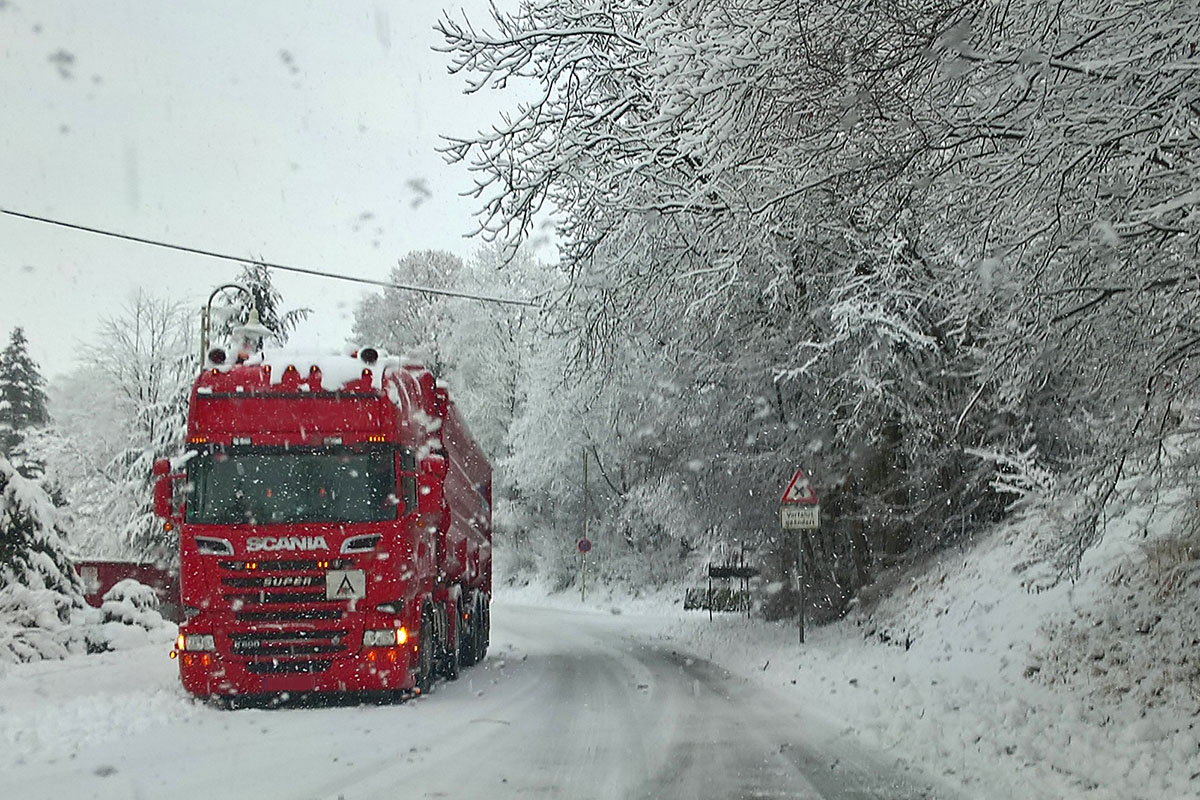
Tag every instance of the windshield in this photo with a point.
(294, 486)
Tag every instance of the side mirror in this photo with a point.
(435, 464)
(164, 488)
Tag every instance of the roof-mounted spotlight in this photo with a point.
(217, 356)
(369, 355)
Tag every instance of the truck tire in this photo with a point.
(468, 622)
(485, 625)
(425, 651)
(450, 653)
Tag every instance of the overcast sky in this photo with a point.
(299, 133)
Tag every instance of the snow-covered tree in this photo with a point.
(487, 348)
(92, 426)
(481, 350)
(39, 592)
(22, 396)
(403, 321)
(147, 360)
(881, 236)
(265, 297)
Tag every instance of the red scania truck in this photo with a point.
(334, 520)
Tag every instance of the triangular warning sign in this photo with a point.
(346, 587)
(800, 490)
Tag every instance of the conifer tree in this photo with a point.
(22, 398)
(38, 589)
(267, 299)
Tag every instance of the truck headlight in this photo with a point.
(195, 641)
(384, 637)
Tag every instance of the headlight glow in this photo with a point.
(384, 637)
(197, 641)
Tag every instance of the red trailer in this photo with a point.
(100, 576)
(334, 520)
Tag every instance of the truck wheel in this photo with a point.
(485, 625)
(468, 624)
(448, 661)
(425, 655)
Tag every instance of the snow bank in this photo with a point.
(32, 627)
(51, 711)
(978, 670)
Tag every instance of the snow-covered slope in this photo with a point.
(984, 670)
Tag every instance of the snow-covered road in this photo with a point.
(568, 704)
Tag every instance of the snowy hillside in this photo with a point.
(992, 678)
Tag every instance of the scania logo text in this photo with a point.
(257, 544)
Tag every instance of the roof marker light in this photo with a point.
(366, 373)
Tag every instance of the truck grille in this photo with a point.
(290, 644)
(273, 581)
(284, 667)
(246, 590)
(265, 597)
(287, 616)
(259, 593)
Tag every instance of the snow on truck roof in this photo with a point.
(326, 372)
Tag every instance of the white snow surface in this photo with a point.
(977, 700)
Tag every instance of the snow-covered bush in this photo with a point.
(130, 617)
(132, 603)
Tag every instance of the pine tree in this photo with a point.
(266, 298)
(22, 398)
(39, 592)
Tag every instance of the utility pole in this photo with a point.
(584, 543)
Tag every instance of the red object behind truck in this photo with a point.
(334, 526)
(100, 576)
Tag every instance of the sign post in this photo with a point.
(800, 509)
(584, 545)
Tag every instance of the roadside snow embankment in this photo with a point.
(1011, 685)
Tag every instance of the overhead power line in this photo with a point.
(511, 301)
